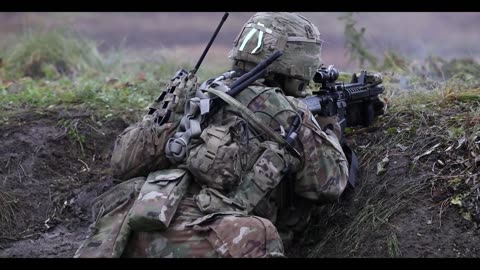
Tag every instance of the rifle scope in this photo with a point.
(326, 75)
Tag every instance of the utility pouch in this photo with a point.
(210, 200)
(159, 199)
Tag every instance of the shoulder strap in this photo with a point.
(256, 123)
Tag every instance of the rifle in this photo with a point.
(165, 104)
(355, 103)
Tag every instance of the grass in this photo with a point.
(72, 131)
(433, 103)
(52, 53)
(46, 70)
(377, 205)
(60, 68)
(420, 116)
(8, 210)
(392, 245)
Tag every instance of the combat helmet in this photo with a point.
(294, 35)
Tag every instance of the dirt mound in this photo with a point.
(54, 163)
(417, 195)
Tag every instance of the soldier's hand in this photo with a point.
(330, 123)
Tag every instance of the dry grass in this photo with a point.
(422, 113)
(375, 204)
(434, 135)
(8, 211)
(46, 54)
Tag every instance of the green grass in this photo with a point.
(436, 101)
(50, 54)
(60, 68)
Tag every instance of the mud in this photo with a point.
(52, 182)
(52, 179)
(406, 218)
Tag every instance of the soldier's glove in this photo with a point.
(330, 123)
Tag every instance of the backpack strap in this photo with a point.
(189, 127)
(254, 120)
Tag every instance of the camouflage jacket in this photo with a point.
(318, 174)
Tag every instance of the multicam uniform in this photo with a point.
(240, 182)
(193, 233)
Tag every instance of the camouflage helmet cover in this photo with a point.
(291, 33)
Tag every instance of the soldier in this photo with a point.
(211, 181)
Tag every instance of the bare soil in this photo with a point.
(51, 180)
(50, 183)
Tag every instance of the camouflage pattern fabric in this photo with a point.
(158, 200)
(110, 237)
(140, 149)
(109, 234)
(210, 200)
(322, 176)
(324, 173)
(265, 175)
(240, 236)
(214, 162)
(194, 235)
(266, 32)
(240, 164)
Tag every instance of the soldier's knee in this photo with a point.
(245, 236)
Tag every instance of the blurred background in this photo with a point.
(411, 34)
(71, 82)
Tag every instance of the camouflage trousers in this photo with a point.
(220, 235)
(191, 234)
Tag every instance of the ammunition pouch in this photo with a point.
(216, 161)
(110, 232)
(159, 199)
(264, 175)
(210, 201)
